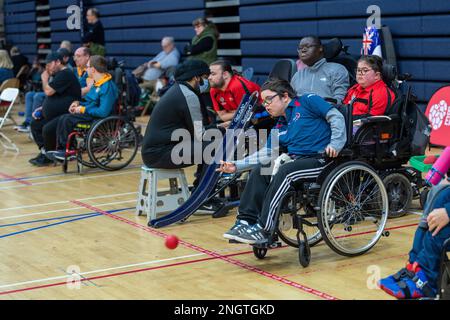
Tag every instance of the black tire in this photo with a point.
(351, 198)
(112, 143)
(260, 253)
(400, 194)
(304, 254)
(313, 234)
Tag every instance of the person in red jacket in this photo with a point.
(372, 95)
(227, 89)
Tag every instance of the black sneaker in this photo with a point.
(57, 155)
(41, 161)
(254, 234)
(35, 158)
(211, 206)
(235, 230)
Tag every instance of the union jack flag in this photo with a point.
(371, 44)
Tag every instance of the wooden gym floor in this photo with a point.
(53, 224)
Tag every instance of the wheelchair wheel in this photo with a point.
(112, 143)
(304, 254)
(400, 194)
(354, 208)
(285, 228)
(260, 253)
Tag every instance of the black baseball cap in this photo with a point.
(53, 56)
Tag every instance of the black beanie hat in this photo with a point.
(189, 69)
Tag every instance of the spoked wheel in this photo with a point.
(289, 207)
(354, 208)
(112, 143)
(400, 194)
(260, 253)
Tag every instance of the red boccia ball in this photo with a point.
(171, 242)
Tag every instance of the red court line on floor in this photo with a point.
(121, 273)
(387, 229)
(7, 176)
(245, 266)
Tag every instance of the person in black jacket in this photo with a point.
(179, 108)
(94, 37)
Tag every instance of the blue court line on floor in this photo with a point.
(56, 218)
(55, 224)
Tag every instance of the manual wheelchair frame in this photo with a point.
(110, 143)
(347, 206)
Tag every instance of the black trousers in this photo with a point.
(263, 193)
(67, 123)
(44, 132)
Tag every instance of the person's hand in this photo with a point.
(224, 125)
(37, 114)
(74, 105)
(45, 76)
(331, 152)
(89, 82)
(437, 219)
(227, 167)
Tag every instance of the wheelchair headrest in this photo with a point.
(389, 73)
(332, 48)
(284, 69)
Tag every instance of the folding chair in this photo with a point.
(7, 99)
(10, 83)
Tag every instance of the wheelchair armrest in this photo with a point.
(373, 119)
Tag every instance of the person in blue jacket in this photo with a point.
(98, 103)
(420, 276)
(307, 127)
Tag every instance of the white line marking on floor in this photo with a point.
(68, 201)
(68, 180)
(62, 210)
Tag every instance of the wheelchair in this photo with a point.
(110, 143)
(348, 205)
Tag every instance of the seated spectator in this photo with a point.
(18, 60)
(372, 96)
(34, 97)
(97, 104)
(82, 56)
(227, 89)
(66, 44)
(420, 277)
(204, 44)
(67, 56)
(168, 57)
(326, 79)
(6, 66)
(60, 92)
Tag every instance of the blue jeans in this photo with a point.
(33, 100)
(427, 249)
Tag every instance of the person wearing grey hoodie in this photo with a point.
(326, 79)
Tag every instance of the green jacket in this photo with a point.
(208, 56)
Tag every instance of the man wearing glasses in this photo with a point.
(307, 127)
(326, 79)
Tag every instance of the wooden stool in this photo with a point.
(152, 202)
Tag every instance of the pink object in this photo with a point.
(439, 169)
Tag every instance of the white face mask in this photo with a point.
(204, 85)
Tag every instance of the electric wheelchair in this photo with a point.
(110, 143)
